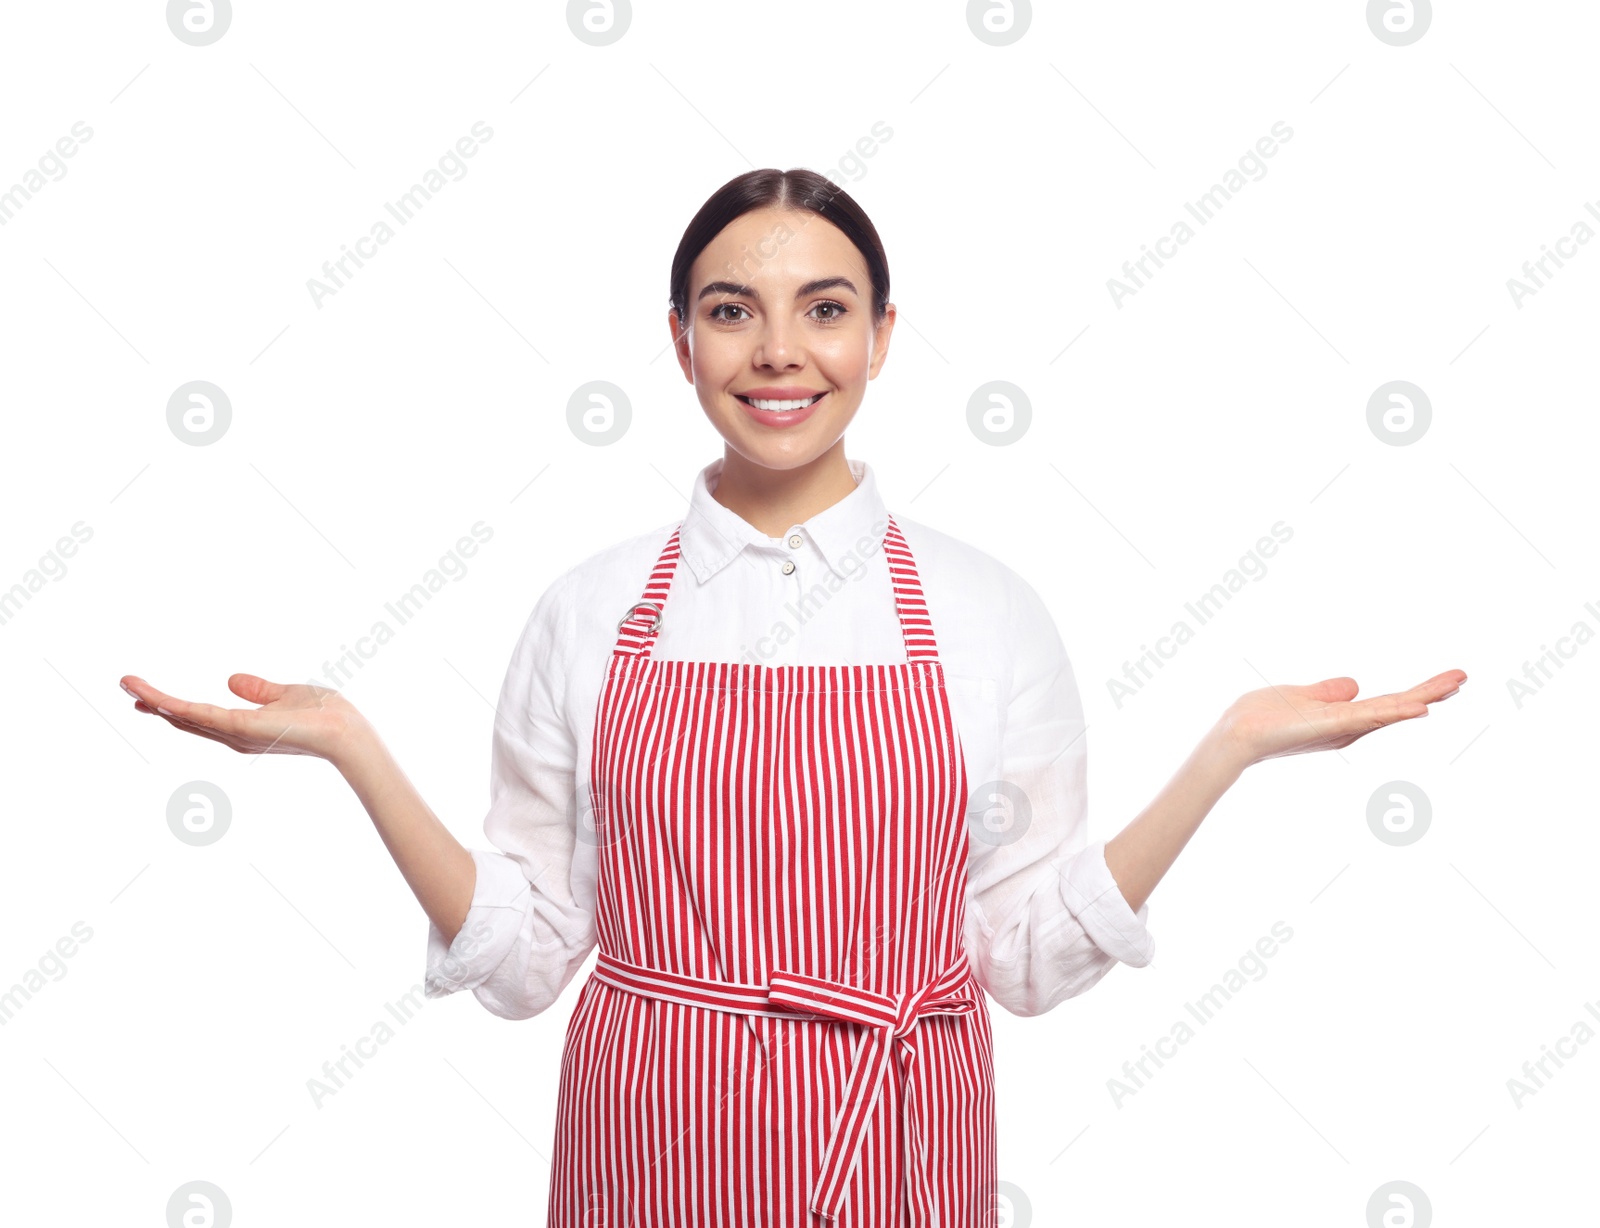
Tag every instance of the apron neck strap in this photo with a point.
(640, 625)
(909, 602)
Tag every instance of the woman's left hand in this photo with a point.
(1290, 720)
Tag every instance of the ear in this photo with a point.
(680, 343)
(880, 341)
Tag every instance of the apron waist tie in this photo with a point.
(889, 1024)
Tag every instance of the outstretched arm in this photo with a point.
(1264, 724)
(504, 923)
(301, 719)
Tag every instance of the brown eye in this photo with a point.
(839, 311)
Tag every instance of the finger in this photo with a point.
(1382, 710)
(1439, 685)
(246, 742)
(153, 703)
(1414, 702)
(159, 700)
(203, 733)
(176, 721)
(1332, 690)
(233, 722)
(196, 717)
(230, 722)
(257, 690)
(148, 699)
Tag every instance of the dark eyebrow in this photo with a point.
(734, 289)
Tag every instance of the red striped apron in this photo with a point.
(782, 1023)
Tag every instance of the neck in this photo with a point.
(774, 499)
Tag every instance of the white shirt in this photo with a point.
(1044, 919)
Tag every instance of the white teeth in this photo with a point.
(781, 406)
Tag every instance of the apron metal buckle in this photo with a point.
(628, 613)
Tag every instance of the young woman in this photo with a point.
(811, 777)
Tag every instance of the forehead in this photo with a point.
(777, 245)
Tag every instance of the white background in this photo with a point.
(370, 433)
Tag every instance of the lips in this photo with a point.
(761, 406)
(788, 401)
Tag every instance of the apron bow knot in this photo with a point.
(887, 1037)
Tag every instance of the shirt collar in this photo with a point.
(713, 535)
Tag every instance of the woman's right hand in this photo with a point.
(294, 719)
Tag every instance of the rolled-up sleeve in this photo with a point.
(525, 934)
(1045, 918)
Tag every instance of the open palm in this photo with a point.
(295, 719)
(1291, 720)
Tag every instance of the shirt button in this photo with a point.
(788, 566)
(795, 540)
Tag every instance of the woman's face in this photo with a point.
(779, 311)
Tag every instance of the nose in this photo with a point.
(779, 345)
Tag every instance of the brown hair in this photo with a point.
(792, 189)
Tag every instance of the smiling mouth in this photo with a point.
(776, 406)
